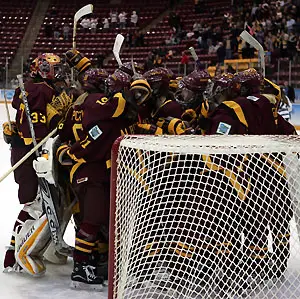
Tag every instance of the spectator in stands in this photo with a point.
(86, 24)
(66, 31)
(105, 24)
(149, 62)
(114, 19)
(100, 60)
(289, 91)
(184, 62)
(122, 19)
(48, 30)
(56, 30)
(290, 23)
(221, 53)
(228, 47)
(94, 24)
(53, 11)
(128, 39)
(134, 18)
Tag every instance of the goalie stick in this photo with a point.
(117, 47)
(247, 37)
(45, 189)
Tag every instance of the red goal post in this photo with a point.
(205, 217)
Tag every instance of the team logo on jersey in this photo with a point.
(95, 132)
(223, 128)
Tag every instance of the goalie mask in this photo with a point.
(159, 80)
(117, 82)
(94, 80)
(191, 88)
(48, 66)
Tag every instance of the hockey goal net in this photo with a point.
(205, 217)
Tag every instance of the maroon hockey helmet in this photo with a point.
(93, 80)
(159, 80)
(126, 67)
(196, 81)
(191, 88)
(118, 81)
(218, 86)
(247, 82)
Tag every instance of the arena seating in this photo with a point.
(13, 24)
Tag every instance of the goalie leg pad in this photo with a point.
(30, 242)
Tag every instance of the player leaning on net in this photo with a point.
(47, 103)
(157, 110)
(235, 105)
(91, 126)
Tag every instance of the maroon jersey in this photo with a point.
(253, 115)
(164, 108)
(94, 123)
(39, 95)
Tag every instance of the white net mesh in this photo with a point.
(207, 217)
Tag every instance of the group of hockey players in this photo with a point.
(90, 111)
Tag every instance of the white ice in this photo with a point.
(56, 282)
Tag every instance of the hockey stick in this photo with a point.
(199, 66)
(44, 140)
(135, 74)
(45, 188)
(117, 47)
(247, 37)
(83, 11)
(5, 98)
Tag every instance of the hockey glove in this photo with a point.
(77, 60)
(63, 157)
(8, 134)
(173, 126)
(148, 129)
(62, 103)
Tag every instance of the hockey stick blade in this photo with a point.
(117, 47)
(247, 37)
(85, 10)
(193, 53)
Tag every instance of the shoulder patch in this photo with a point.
(95, 132)
(223, 128)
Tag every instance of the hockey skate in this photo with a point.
(84, 277)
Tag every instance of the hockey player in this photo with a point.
(117, 82)
(156, 106)
(91, 126)
(256, 114)
(47, 105)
